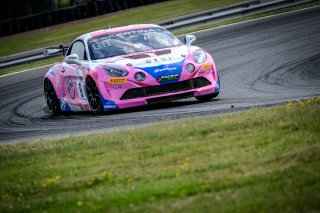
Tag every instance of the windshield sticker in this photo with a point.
(121, 34)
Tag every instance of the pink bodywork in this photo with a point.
(69, 80)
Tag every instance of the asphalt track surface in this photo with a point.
(260, 63)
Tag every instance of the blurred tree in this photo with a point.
(10, 9)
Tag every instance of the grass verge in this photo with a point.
(264, 160)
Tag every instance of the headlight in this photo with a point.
(199, 56)
(190, 68)
(140, 76)
(116, 71)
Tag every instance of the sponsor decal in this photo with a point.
(117, 80)
(110, 106)
(70, 88)
(217, 86)
(117, 86)
(64, 106)
(122, 34)
(166, 78)
(165, 72)
(165, 69)
(156, 60)
(81, 91)
(81, 86)
(206, 66)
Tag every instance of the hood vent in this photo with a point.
(138, 56)
(162, 52)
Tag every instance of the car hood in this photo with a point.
(157, 63)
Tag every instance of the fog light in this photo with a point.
(140, 76)
(190, 68)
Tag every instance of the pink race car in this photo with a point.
(128, 67)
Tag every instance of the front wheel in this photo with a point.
(205, 98)
(51, 97)
(93, 96)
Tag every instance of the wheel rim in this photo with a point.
(93, 95)
(50, 96)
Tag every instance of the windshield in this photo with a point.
(133, 41)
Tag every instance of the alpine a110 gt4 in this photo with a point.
(128, 67)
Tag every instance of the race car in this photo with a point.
(128, 67)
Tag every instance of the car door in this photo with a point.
(73, 78)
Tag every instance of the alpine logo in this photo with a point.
(166, 78)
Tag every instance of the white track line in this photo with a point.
(32, 69)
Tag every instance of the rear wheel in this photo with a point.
(205, 98)
(93, 96)
(51, 97)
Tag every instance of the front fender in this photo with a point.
(54, 76)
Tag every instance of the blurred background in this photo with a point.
(22, 15)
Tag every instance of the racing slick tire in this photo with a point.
(93, 96)
(51, 97)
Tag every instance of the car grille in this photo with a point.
(166, 88)
(169, 98)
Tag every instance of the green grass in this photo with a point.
(68, 32)
(264, 160)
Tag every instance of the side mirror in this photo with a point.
(189, 39)
(72, 59)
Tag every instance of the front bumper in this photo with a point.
(130, 94)
(145, 99)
